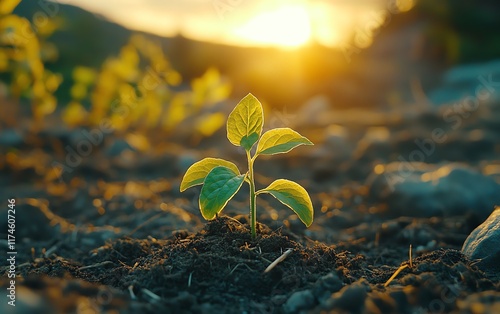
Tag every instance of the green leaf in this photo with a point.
(294, 196)
(244, 124)
(197, 173)
(219, 187)
(281, 140)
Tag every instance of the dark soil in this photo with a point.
(115, 235)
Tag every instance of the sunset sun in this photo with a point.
(285, 26)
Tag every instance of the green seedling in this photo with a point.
(221, 179)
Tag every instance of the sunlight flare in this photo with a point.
(285, 26)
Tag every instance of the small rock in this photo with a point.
(471, 80)
(11, 138)
(482, 302)
(483, 243)
(426, 190)
(350, 299)
(327, 285)
(118, 147)
(300, 300)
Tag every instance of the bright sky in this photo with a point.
(244, 22)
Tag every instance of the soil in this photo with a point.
(115, 235)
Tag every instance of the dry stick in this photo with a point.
(131, 290)
(278, 260)
(51, 250)
(411, 257)
(96, 265)
(238, 265)
(400, 269)
(151, 294)
(189, 279)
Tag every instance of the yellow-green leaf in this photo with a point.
(219, 187)
(197, 173)
(279, 141)
(244, 124)
(294, 196)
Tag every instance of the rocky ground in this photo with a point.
(401, 202)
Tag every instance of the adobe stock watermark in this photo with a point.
(363, 34)
(454, 116)
(76, 153)
(222, 7)
(48, 10)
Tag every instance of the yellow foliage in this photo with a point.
(78, 91)
(176, 112)
(84, 75)
(138, 141)
(48, 26)
(173, 78)
(7, 6)
(209, 88)
(52, 81)
(135, 89)
(208, 125)
(4, 60)
(44, 105)
(74, 114)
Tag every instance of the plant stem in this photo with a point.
(253, 210)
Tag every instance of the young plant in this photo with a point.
(221, 179)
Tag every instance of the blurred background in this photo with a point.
(105, 104)
(344, 54)
(86, 86)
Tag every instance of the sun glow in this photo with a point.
(285, 26)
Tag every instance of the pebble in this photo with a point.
(118, 147)
(427, 190)
(326, 285)
(300, 300)
(11, 138)
(483, 244)
(471, 80)
(480, 303)
(350, 299)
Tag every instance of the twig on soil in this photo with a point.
(396, 273)
(151, 294)
(51, 250)
(131, 291)
(411, 257)
(278, 260)
(189, 279)
(265, 260)
(96, 265)
(238, 265)
(235, 220)
(401, 268)
(24, 265)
